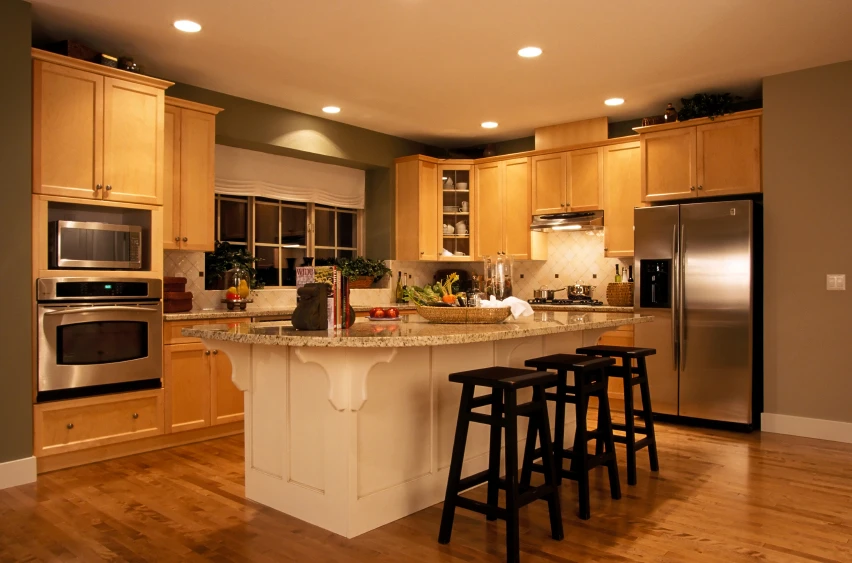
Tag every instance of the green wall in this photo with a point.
(16, 426)
(262, 127)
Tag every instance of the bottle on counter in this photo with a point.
(617, 275)
(630, 274)
(404, 288)
(400, 296)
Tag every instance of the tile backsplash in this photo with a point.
(573, 256)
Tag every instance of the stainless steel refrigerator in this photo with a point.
(696, 275)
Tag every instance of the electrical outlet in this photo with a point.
(835, 282)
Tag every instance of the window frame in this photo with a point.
(310, 247)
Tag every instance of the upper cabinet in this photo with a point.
(189, 176)
(417, 201)
(567, 181)
(622, 193)
(97, 131)
(701, 157)
(455, 187)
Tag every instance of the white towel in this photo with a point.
(519, 307)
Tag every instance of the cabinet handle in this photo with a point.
(568, 204)
(422, 253)
(185, 239)
(606, 249)
(177, 239)
(98, 187)
(108, 187)
(136, 415)
(215, 352)
(692, 188)
(69, 426)
(700, 187)
(207, 352)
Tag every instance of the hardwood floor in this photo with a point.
(719, 497)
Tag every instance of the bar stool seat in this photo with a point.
(631, 376)
(504, 383)
(589, 381)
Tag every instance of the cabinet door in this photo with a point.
(226, 401)
(729, 157)
(186, 378)
(668, 164)
(428, 196)
(488, 199)
(585, 179)
(516, 212)
(68, 111)
(133, 142)
(548, 183)
(622, 192)
(171, 179)
(197, 153)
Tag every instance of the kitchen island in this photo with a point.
(352, 429)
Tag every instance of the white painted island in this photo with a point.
(352, 429)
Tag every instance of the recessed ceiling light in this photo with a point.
(489, 124)
(614, 101)
(331, 109)
(529, 52)
(188, 26)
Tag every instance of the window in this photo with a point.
(280, 233)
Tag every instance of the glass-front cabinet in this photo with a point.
(456, 215)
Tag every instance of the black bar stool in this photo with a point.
(504, 383)
(631, 375)
(589, 381)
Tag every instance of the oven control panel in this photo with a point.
(95, 289)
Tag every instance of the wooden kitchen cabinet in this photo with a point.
(97, 131)
(622, 193)
(226, 401)
(417, 203)
(701, 157)
(189, 176)
(455, 189)
(585, 179)
(488, 200)
(549, 183)
(186, 378)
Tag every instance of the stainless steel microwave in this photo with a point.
(89, 245)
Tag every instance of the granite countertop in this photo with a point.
(208, 314)
(413, 330)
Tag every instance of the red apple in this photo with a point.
(232, 296)
(392, 313)
(378, 313)
(373, 311)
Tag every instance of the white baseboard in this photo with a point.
(17, 472)
(807, 427)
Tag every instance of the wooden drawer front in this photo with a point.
(172, 335)
(84, 423)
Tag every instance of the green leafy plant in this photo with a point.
(706, 105)
(363, 267)
(223, 258)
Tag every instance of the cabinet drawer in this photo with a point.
(66, 426)
(172, 335)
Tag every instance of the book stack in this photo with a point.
(340, 314)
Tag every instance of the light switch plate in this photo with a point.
(835, 282)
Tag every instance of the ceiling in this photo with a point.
(433, 70)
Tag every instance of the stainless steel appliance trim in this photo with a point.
(571, 220)
(46, 288)
(135, 234)
(675, 282)
(681, 310)
(52, 376)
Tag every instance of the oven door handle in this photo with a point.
(84, 310)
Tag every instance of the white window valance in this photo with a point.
(252, 173)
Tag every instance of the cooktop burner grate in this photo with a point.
(586, 301)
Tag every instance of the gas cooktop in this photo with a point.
(591, 302)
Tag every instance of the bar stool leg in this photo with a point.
(629, 422)
(513, 549)
(599, 441)
(648, 417)
(456, 462)
(606, 442)
(580, 458)
(559, 425)
(494, 451)
(547, 455)
(529, 454)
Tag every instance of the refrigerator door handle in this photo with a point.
(681, 298)
(675, 286)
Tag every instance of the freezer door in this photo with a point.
(655, 241)
(716, 244)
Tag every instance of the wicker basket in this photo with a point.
(464, 315)
(361, 282)
(619, 294)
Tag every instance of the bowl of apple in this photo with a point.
(384, 314)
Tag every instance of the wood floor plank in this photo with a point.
(720, 497)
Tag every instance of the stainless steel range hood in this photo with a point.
(570, 221)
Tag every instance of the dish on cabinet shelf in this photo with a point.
(451, 208)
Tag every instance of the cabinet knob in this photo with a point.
(606, 249)
(567, 204)
(136, 415)
(207, 352)
(692, 188)
(98, 187)
(185, 239)
(177, 239)
(108, 187)
(69, 426)
(215, 352)
(700, 187)
(422, 253)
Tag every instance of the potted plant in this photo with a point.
(362, 272)
(225, 257)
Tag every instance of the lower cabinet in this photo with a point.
(198, 387)
(77, 424)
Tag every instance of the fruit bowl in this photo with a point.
(237, 304)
